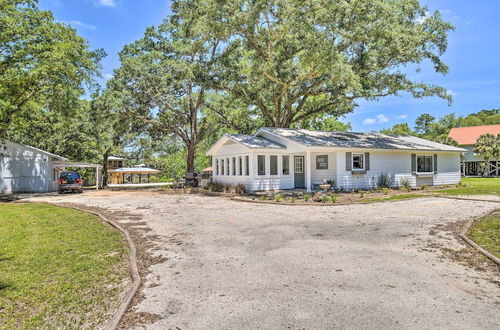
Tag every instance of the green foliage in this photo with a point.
(486, 233)
(216, 186)
(488, 146)
(278, 197)
(262, 197)
(401, 129)
(240, 189)
(405, 182)
(323, 123)
(332, 197)
(385, 191)
(384, 180)
(293, 199)
(307, 197)
(424, 187)
(44, 64)
(294, 60)
(362, 194)
(423, 123)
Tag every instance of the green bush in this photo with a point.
(278, 198)
(240, 189)
(262, 197)
(362, 194)
(405, 183)
(307, 197)
(385, 191)
(332, 197)
(324, 199)
(424, 187)
(293, 199)
(384, 180)
(216, 186)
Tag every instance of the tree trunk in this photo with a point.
(105, 170)
(191, 150)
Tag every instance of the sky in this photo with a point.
(473, 54)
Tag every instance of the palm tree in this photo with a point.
(488, 146)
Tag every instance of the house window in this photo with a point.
(120, 163)
(234, 165)
(274, 164)
(286, 165)
(240, 162)
(217, 166)
(424, 164)
(322, 162)
(247, 165)
(358, 162)
(261, 165)
(228, 167)
(54, 174)
(222, 167)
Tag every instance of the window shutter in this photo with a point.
(367, 161)
(413, 163)
(348, 161)
(435, 164)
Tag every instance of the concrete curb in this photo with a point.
(468, 199)
(463, 235)
(134, 270)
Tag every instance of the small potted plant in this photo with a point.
(325, 186)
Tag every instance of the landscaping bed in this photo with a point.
(59, 268)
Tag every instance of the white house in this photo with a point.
(27, 169)
(280, 158)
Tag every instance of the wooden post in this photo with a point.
(149, 178)
(97, 178)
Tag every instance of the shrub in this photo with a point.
(460, 185)
(278, 197)
(332, 197)
(262, 197)
(406, 189)
(307, 197)
(324, 199)
(293, 199)
(405, 183)
(445, 186)
(362, 194)
(228, 187)
(216, 186)
(385, 190)
(384, 180)
(331, 183)
(240, 189)
(424, 187)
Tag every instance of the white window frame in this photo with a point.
(432, 164)
(362, 162)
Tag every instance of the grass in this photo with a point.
(59, 268)
(486, 233)
(391, 198)
(478, 186)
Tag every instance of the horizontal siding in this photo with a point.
(329, 174)
(398, 166)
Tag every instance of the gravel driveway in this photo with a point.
(235, 265)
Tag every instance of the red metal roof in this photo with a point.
(469, 135)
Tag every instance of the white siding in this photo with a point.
(398, 165)
(329, 174)
(24, 170)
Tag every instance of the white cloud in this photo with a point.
(404, 116)
(107, 76)
(82, 25)
(105, 3)
(451, 92)
(380, 119)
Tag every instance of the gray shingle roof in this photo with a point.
(358, 140)
(252, 141)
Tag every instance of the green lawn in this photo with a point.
(391, 198)
(476, 186)
(486, 233)
(59, 268)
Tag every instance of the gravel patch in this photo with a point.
(224, 264)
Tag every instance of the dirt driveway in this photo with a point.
(234, 265)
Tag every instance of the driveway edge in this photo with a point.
(463, 235)
(134, 270)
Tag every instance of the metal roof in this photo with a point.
(357, 140)
(469, 135)
(252, 141)
(39, 150)
(134, 170)
(115, 158)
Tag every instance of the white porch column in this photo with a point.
(308, 166)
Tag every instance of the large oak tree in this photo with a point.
(297, 59)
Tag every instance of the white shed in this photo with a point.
(280, 158)
(27, 169)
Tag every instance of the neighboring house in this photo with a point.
(27, 169)
(466, 138)
(279, 158)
